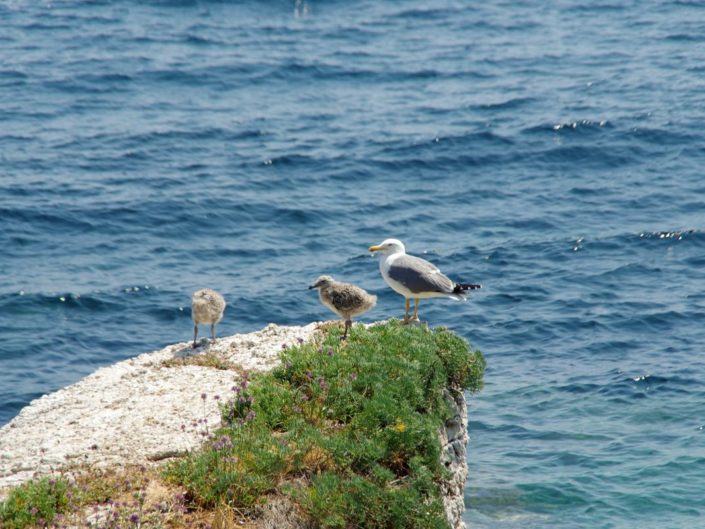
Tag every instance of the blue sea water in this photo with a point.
(552, 151)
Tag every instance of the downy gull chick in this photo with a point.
(344, 299)
(207, 307)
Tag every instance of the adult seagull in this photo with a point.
(416, 278)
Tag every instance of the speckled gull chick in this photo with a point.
(416, 278)
(344, 299)
(207, 307)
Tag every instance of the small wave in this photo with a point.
(291, 160)
(578, 127)
(199, 40)
(514, 103)
(553, 496)
(52, 222)
(593, 156)
(618, 386)
(476, 149)
(686, 37)
(662, 136)
(667, 234)
(584, 125)
(428, 13)
(89, 84)
(28, 302)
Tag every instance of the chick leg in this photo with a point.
(195, 334)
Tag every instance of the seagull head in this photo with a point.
(389, 247)
(322, 282)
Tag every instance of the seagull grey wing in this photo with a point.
(418, 275)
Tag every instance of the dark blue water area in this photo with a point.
(551, 151)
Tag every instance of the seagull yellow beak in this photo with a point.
(374, 249)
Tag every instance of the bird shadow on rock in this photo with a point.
(189, 350)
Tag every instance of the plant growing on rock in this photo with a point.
(347, 431)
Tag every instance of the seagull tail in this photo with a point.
(461, 288)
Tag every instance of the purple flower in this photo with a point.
(300, 340)
(353, 376)
(217, 397)
(309, 376)
(203, 396)
(223, 442)
(330, 352)
(134, 518)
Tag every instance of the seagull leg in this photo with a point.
(417, 301)
(406, 312)
(213, 331)
(195, 334)
(348, 324)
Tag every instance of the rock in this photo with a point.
(144, 410)
(454, 439)
(135, 411)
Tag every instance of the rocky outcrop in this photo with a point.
(138, 411)
(162, 404)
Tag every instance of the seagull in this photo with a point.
(344, 299)
(416, 278)
(207, 307)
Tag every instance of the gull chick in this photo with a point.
(416, 278)
(344, 299)
(207, 307)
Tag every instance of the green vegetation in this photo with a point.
(34, 503)
(60, 501)
(348, 431)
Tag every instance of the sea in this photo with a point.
(552, 151)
